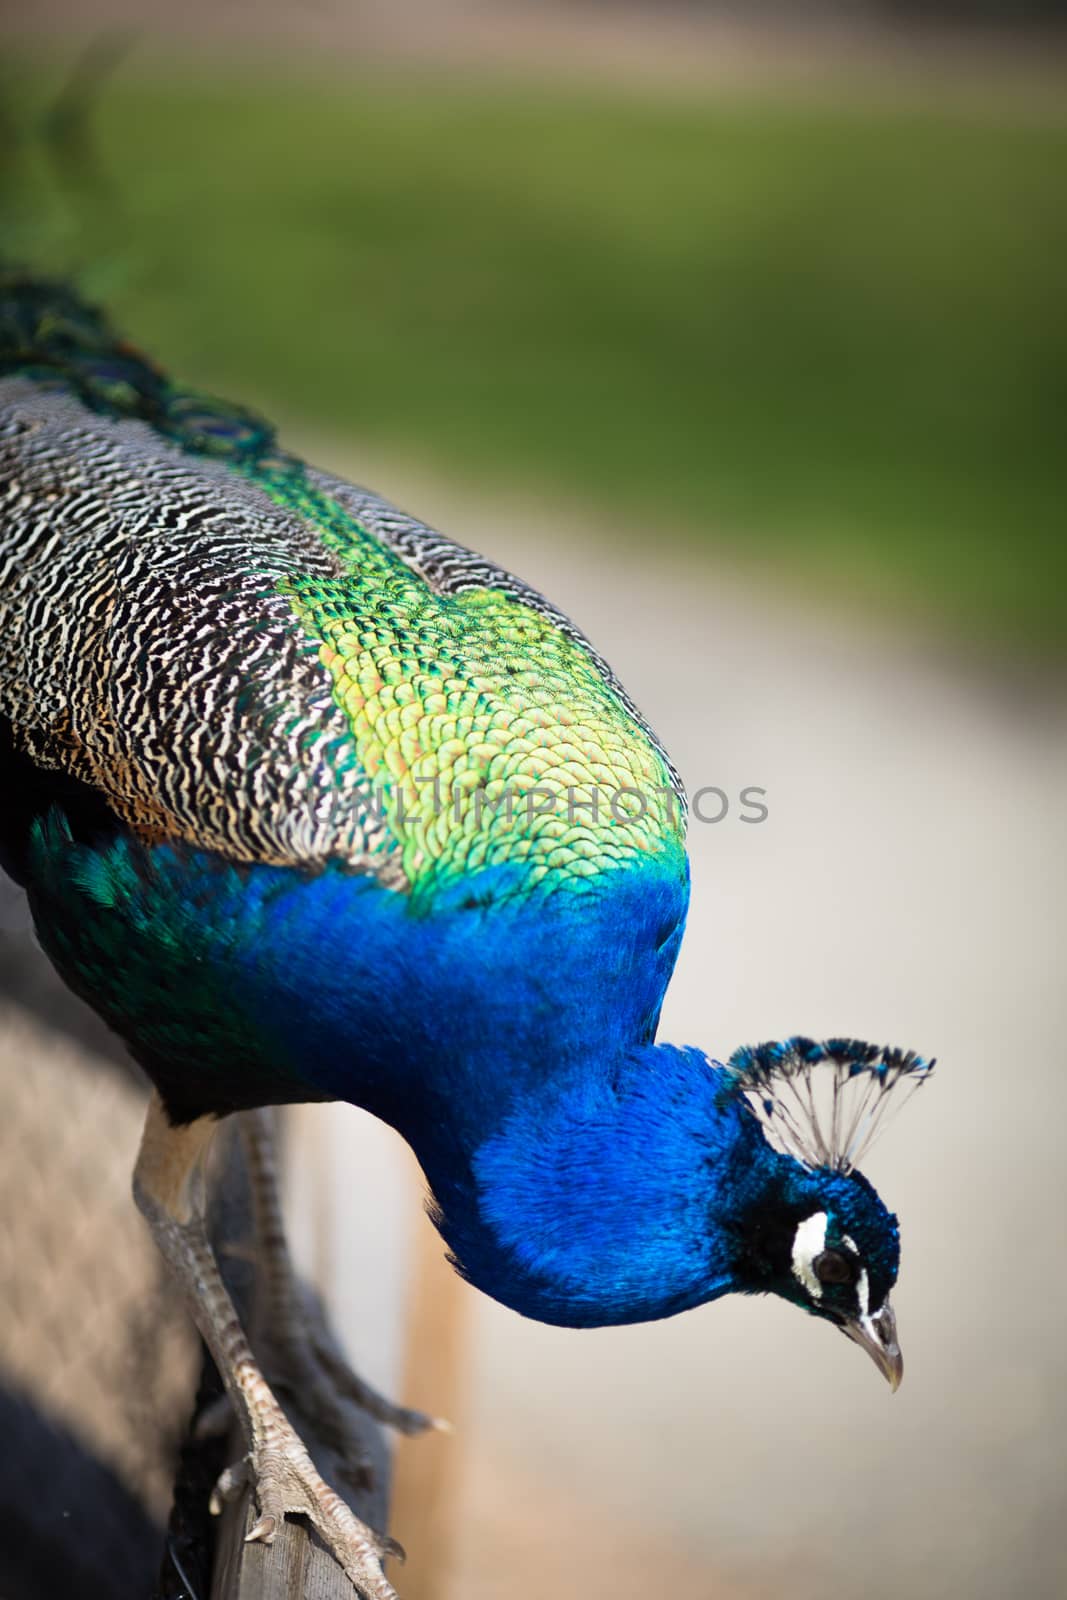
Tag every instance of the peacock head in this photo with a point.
(631, 1194)
(817, 1233)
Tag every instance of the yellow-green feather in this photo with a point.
(458, 701)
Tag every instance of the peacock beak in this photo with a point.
(877, 1334)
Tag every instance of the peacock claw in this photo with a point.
(286, 1483)
(264, 1531)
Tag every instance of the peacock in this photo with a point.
(311, 803)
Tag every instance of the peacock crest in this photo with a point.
(825, 1102)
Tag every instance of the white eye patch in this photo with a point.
(863, 1287)
(809, 1241)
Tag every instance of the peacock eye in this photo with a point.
(830, 1266)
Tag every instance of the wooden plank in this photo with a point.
(294, 1567)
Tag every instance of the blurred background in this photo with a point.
(740, 331)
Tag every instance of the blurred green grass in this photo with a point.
(825, 338)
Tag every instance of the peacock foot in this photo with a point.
(169, 1187)
(286, 1483)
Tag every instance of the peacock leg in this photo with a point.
(169, 1188)
(305, 1360)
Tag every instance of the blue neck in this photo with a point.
(595, 1205)
(574, 1163)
